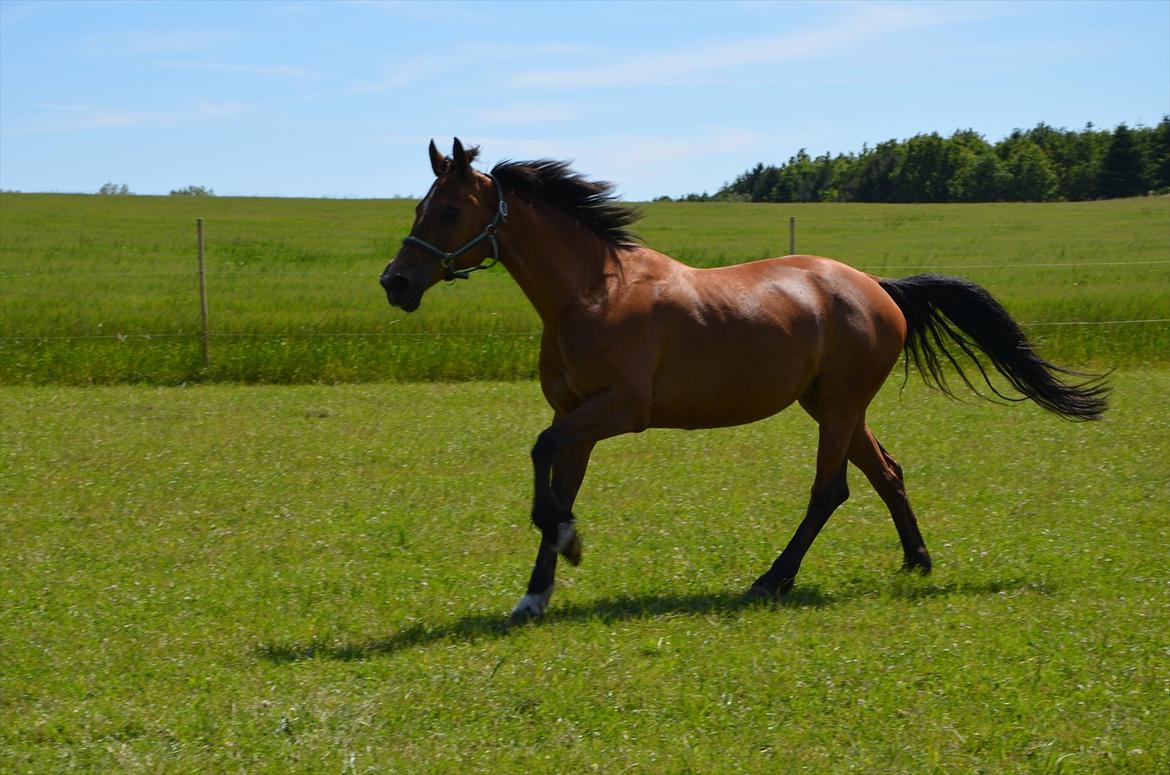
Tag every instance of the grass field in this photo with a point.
(105, 290)
(316, 579)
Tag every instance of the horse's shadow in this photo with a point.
(484, 626)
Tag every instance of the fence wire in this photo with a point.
(488, 334)
(439, 334)
(374, 275)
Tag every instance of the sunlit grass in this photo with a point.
(316, 579)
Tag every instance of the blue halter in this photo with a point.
(447, 259)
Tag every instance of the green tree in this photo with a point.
(193, 191)
(924, 173)
(970, 179)
(839, 178)
(765, 184)
(1039, 164)
(981, 178)
(877, 172)
(744, 187)
(846, 179)
(1159, 173)
(1080, 167)
(797, 180)
(1123, 170)
(1030, 174)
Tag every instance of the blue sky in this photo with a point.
(340, 98)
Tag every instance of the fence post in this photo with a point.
(203, 297)
(792, 235)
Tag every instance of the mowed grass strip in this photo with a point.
(105, 289)
(316, 579)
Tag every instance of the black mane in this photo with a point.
(592, 203)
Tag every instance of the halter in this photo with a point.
(447, 260)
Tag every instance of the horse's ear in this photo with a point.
(438, 161)
(461, 158)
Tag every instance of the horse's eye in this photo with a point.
(449, 213)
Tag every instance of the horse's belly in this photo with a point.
(671, 414)
(726, 388)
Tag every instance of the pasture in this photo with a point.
(101, 290)
(203, 575)
(316, 579)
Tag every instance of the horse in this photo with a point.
(633, 339)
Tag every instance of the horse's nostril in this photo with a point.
(394, 284)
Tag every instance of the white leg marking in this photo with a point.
(565, 535)
(532, 605)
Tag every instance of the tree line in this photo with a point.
(114, 189)
(1042, 164)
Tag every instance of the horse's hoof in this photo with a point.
(917, 563)
(569, 543)
(759, 593)
(761, 590)
(531, 606)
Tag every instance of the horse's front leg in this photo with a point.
(568, 471)
(559, 459)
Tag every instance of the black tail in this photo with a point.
(968, 315)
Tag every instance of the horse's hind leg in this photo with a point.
(885, 475)
(828, 492)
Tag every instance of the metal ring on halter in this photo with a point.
(447, 259)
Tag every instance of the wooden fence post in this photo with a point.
(203, 296)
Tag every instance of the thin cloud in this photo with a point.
(13, 13)
(71, 117)
(64, 118)
(527, 113)
(437, 12)
(402, 75)
(672, 68)
(648, 156)
(528, 50)
(625, 157)
(186, 41)
(292, 72)
(408, 72)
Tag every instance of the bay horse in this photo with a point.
(633, 339)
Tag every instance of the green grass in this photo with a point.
(294, 294)
(316, 579)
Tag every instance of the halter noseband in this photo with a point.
(447, 259)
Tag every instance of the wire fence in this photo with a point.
(440, 334)
(278, 272)
(498, 334)
(279, 335)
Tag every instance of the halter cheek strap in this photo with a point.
(447, 259)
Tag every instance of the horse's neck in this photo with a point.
(553, 259)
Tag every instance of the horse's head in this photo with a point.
(454, 227)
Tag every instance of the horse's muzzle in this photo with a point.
(399, 291)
